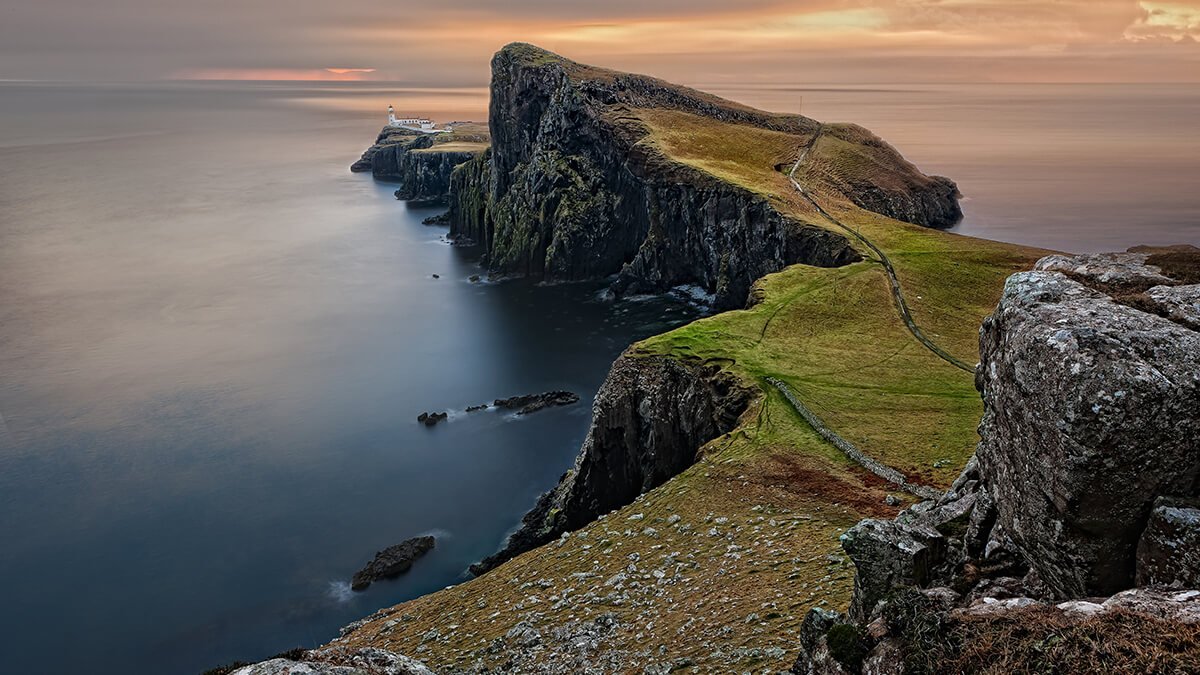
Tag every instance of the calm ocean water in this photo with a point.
(214, 341)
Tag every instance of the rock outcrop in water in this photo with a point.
(573, 188)
(1085, 480)
(530, 403)
(651, 416)
(421, 163)
(392, 561)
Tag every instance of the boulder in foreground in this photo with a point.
(1092, 411)
(338, 662)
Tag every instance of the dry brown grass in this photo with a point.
(1040, 640)
(1044, 640)
(458, 146)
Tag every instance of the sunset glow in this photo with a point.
(273, 74)
(809, 40)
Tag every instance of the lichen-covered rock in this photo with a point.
(1176, 605)
(1110, 271)
(816, 657)
(1092, 409)
(887, 555)
(1180, 304)
(334, 661)
(572, 191)
(1169, 551)
(650, 417)
(886, 658)
(952, 541)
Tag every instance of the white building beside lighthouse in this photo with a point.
(421, 124)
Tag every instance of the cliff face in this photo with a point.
(421, 163)
(469, 204)
(388, 136)
(576, 188)
(650, 418)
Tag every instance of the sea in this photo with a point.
(215, 340)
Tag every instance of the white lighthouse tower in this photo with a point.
(422, 124)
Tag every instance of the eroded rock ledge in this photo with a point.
(651, 416)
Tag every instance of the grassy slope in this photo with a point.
(466, 137)
(836, 337)
(454, 146)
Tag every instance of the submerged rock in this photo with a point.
(535, 402)
(430, 419)
(392, 561)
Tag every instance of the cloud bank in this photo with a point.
(448, 43)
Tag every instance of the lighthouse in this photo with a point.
(421, 124)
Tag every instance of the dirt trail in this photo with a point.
(893, 280)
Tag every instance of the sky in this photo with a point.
(449, 42)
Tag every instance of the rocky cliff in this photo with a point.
(421, 163)
(577, 186)
(1085, 483)
(651, 416)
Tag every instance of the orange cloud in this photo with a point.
(1171, 20)
(821, 40)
